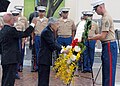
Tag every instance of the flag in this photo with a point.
(4, 5)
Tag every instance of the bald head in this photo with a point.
(7, 18)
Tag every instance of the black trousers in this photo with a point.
(8, 74)
(43, 75)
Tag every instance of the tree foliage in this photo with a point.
(51, 4)
(43, 3)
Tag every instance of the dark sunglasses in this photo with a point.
(88, 14)
(65, 11)
(95, 8)
(15, 14)
(41, 10)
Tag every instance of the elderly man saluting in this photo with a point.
(10, 54)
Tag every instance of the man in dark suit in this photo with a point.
(10, 54)
(48, 45)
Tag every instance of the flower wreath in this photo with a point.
(66, 64)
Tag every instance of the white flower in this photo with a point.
(65, 54)
(62, 50)
(77, 48)
(68, 47)
(69, 61)
(73, 58)
(62, 47)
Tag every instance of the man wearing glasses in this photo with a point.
(109, 46)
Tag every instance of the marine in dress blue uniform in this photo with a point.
(41, 24)
(21, 24)
(66, 30)
(88, 54)
(109, 45)
(16, 14)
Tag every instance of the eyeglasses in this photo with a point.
(65, 11)
(95, 8)
(88, 15)
(15, 14)
(42, 11)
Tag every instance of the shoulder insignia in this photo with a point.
(106, 24)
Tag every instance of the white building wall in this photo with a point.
(15, 3)
(77, 6)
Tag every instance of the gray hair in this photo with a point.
(52, 20)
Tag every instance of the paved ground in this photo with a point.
(29, 78)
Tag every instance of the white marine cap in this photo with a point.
(18, 7)
(65, 9)
(15, 12)
(97, 2)
(41, 8)
(87, 12)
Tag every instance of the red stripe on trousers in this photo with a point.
(110, 57)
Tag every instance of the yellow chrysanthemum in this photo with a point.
(66, 64)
